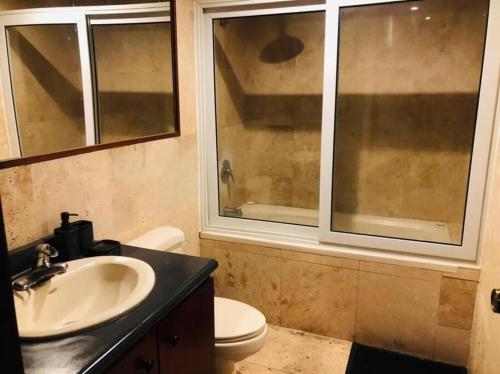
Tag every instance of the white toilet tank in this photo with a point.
(163, 238)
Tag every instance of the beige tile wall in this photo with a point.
(485, 350)
(126, 190)
(422, 312)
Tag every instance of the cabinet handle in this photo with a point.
(173, 340)
(147, 365)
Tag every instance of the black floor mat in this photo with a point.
(368, 360)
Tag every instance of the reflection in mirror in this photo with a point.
(134, 86)
(76, 77)
(47, 87)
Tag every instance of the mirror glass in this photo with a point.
(133, 80)
(46, 87)
(81, 76)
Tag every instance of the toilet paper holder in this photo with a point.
(495, 300)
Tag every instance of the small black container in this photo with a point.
(105, 248)
(85, 236)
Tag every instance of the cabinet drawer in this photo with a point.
(141, 358)
(186, 336)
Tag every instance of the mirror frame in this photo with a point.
(12, 162)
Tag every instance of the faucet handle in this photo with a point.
(44, 249)
(44, 252)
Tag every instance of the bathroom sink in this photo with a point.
(92, 291)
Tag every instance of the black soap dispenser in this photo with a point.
(66, 239)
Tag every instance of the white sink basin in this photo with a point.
(92, 291)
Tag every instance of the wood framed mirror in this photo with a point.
(115, 83)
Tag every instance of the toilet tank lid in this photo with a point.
(160, 238)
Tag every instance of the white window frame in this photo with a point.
(322, 239)
(207, 92)
(481, 148)
(69, 16)
(81, 17)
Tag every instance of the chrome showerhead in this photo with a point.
(283, 48)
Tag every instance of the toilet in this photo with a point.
(240, 329)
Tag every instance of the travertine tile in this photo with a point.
(456, 302)
(247, 248)
(321, 259)
(244, 367)
(299, 352)
(452, 345)
(400, 271)
(465, 273)
(207, 248)
(319, 298)
(249, 277)
(397, 313)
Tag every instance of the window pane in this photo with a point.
(47, 87)
(133, 64)
(407, 96)
(268, 84)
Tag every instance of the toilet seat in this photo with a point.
(236, 321)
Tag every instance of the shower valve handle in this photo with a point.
(226, 172)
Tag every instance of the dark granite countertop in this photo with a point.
(92, 350)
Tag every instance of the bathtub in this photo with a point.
(278, 213)
(394, 227)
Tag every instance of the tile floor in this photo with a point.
(290, 351)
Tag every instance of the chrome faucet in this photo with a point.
(43, 270)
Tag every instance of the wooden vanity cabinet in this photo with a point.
(182, 343)
(141, 358)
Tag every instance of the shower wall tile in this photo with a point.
(397, 313)
(280, 128)
(457, 300)
(305, 184)
(319, 298)
(391, 306)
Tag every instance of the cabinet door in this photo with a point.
(141, 358)
(186, 336)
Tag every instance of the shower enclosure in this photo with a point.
(362, 123)
(268, 88)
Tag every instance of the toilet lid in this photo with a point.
(236, 321)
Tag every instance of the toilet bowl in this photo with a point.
(240, 330)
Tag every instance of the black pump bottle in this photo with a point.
(66, 239)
